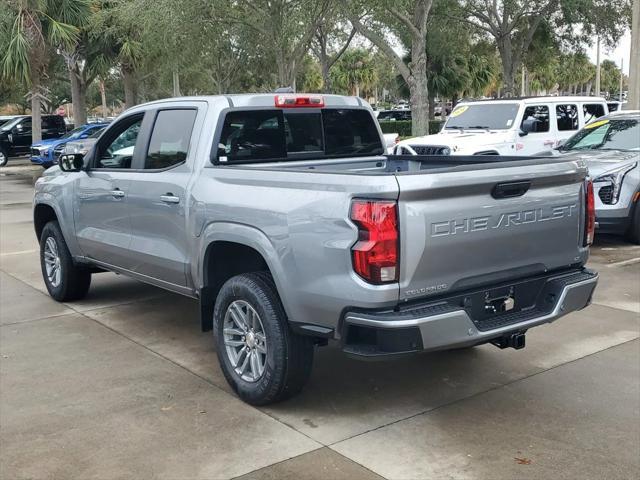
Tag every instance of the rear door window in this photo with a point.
(263, 135)
(170, 139)
(567, 117)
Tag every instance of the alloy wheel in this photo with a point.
(245, 340)
(52, 262)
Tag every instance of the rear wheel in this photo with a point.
(261, 358)
(64, 280)
(4, 157)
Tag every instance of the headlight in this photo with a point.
(446, 151)
(615, 178)
(44, 152)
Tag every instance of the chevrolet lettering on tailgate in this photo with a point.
(504, 220)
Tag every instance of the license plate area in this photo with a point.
(505, 300)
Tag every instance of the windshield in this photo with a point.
(11, 123)
(607, 134)
(492, 116)
(276, 135)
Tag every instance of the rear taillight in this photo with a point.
(375, 254)
(299, 101)
(590, 213)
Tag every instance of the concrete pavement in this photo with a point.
(124, 385)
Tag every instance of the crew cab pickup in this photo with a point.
(284, 218)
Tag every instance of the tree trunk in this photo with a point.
(176, 84)
(103, 98)
(419, 98)
(78, 99)
(130, 90)
(326, 78)
(36, 116)
(509, 66)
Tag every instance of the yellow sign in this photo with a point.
(459, 111)
(596, 124)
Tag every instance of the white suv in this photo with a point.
(513, 126)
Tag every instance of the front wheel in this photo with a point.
(261, 358)
(4, 157)
(64, 280)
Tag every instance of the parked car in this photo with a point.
(611, 149)
(393, 115)
(284, 218)
(524, 126)
(47, 152)
(15, 135)
(83, 145)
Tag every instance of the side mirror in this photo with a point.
(523, 133)
(73, 162)
(84, 135)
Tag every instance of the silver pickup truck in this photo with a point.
(284, 217)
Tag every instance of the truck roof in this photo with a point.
(267, 99)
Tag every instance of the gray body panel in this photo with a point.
(297, 218)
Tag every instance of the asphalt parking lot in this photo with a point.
(124, 385)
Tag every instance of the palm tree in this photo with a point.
(355, 72)
(38, 27)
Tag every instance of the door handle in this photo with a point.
(117, 193)
(169, 198)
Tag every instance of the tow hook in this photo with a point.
(512, 340)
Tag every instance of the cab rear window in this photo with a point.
(278, 135)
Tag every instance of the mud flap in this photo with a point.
(207, 299)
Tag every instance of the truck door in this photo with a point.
(21, 135)
(103, 226)
(158, 202)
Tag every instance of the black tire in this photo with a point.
(633, 234)
(74, 281)
(4, 157)
(289, 356)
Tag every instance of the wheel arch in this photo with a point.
(43, 213)
(229, 250)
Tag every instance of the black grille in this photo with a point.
(606, 194)
(35, 152)
(428, 149)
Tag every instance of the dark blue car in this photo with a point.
(47, 152)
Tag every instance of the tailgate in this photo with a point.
(455, 234)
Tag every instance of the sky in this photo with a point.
(622, 50)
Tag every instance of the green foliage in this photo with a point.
(354, 73)
(38, 28)
(403, 127)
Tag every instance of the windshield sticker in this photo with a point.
(509, 122)
(596, 124)
(459, 111)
